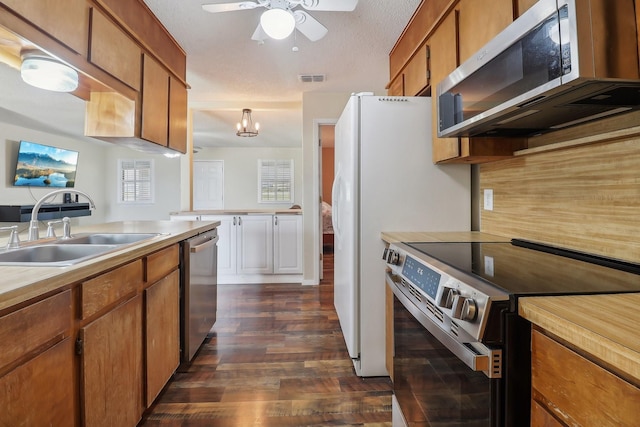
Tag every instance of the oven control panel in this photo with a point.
(465, 301)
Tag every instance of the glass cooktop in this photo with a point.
(528, 268)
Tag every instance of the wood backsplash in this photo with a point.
(585, 198)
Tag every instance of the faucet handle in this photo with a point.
(66, 224)
(14, 239)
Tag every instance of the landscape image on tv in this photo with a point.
(44, 166)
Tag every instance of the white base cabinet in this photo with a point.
(257, 248)
(287, 244)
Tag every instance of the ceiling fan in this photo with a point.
(281, 18)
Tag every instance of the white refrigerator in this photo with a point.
(384, 181)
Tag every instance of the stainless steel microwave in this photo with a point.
(561, 63)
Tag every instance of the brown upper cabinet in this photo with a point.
(114, 51)
(143, 105)
(67, 21)
(452, 31)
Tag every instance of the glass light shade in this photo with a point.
(49, 74)
(278, 23)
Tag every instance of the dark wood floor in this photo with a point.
(276, 357)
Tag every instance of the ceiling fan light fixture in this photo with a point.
(47, 73)
(278, 23)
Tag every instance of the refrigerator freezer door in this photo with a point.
(345, 234)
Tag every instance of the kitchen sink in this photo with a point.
(107, 238)
(53, 255)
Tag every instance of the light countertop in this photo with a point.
(604, 326)
(241, 212)
(20, 284)
(440, 236)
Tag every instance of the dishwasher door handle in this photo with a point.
(205, 245)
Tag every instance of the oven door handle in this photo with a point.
(490, 363)
(205, 245)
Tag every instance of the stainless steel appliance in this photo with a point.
(461, 352)
(561, 63)
(199, 291)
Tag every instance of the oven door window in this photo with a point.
(432, 386)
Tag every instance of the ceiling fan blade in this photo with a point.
(329, 5)
(229, 7)
(259, 35)
(309, 26)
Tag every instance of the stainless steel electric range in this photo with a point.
(461, 352)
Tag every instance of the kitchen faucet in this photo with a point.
(34, 231)
(14, 240)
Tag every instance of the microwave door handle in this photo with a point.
(205, 245)
(477, 362)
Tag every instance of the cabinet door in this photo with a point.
(177, 115)
(227, 249)
(442, 45)
(255, 244)
(162, 340)
(111, 364)
(287, 244)
(155, 102)
(416, 73)
(40, 392)
(66, 21)
(396, 88)
(114, 51)
(480, 21)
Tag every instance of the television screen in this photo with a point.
(44, 166)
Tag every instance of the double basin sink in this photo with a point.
(70, 251)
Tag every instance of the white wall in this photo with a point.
(90, 176)
(316, 107)
(241, 174)
(97, 176)
(167, 187)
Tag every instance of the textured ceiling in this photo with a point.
(227, 71)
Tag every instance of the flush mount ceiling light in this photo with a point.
(42, 71)
(278, 23)
(246, 126)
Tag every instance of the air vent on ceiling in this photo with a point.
(311, 78)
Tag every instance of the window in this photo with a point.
(275, 181)
(136, 185)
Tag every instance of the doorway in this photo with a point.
(326, 134)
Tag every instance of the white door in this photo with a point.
(344, 213)
(208, 184)
(287, 244)
(255, 244)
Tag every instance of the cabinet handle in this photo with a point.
(276, 219)
(239, 221)
(234, 220)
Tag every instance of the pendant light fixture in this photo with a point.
(245, 126)
(41, 70)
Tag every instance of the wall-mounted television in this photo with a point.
(44, 166)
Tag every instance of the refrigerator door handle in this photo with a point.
(335, 197)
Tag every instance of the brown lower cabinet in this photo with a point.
(39, 392)
(111, 376)
(569, 389)
(98, 352)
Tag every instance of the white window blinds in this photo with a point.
(136, 184)
(275, 181)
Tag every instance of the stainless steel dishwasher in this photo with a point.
(199, 291)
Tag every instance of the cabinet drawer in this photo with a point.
(22, 331)
(578, 391)
(114, 51)
(109, 288)
(161, 263)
